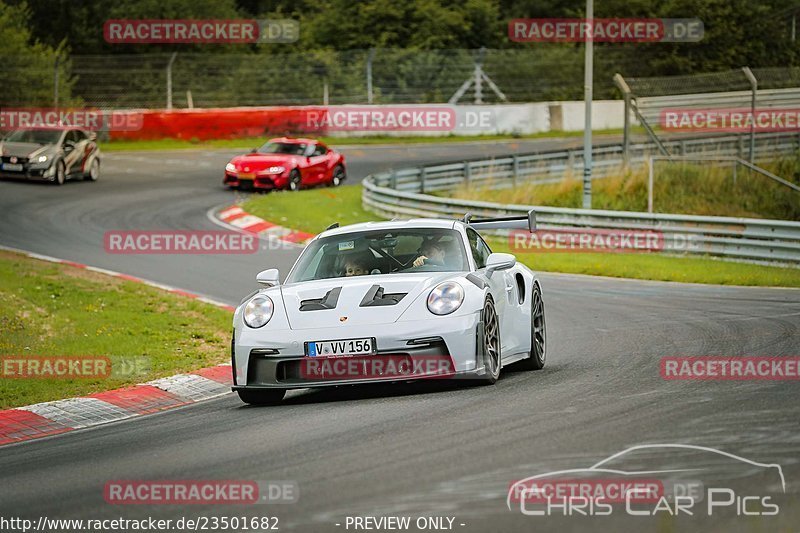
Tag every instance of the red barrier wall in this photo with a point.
(226, 123)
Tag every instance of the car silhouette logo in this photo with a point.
(13, 159)
(342, 319)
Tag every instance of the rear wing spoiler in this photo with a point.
(523, 222)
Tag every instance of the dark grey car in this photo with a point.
(50, 154)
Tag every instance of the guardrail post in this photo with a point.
(422, 176)
(467, 174)
(393, 179)
(514, 170)
(570, 159)
(683, 147)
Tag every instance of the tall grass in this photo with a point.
(684, 187)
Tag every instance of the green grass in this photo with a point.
(248, 143)
(55, 310)
(654, 266)
(310, 210)
(314, 210)
(688, 188)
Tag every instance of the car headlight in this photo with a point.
(276, 170)
(258, 311)
(445, 298)
(230, 167)
(41, 159)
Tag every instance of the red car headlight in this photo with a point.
(273, 170)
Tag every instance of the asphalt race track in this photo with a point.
(416, 449)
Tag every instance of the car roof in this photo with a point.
(294, 140)
(392, 224)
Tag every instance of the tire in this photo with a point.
(261, 396)
(489, 342)
(538, 353)
(61, 173)
(94, 171)
(294, 180)
(338, 176)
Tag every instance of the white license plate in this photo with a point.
(341, 348)
(12, 167)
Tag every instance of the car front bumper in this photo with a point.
(32, 173)
(444, 347)
(259, 183)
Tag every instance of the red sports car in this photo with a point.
(286, 163)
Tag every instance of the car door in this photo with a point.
(73, 152)
(499, 288)
(318, 163)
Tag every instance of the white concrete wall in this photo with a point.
(521, 119)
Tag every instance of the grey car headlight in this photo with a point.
(445, 298)
(258, 311)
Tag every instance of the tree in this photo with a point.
(29, 67)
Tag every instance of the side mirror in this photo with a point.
(254, 151)
(92, 136)
(269, 277)
(499, 261)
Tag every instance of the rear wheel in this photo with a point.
(261, 396)
(538, 333)
(489, 342)
(294, 180)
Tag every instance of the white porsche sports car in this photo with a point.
(390, 301)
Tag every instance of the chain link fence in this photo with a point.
(379, 76)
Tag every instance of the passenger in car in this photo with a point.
(356, 265)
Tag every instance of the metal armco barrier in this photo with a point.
(401, 193)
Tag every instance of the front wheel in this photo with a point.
(294, 180)
(94, 171)
(339, 175)
(261, 396)
(489, 342)
(538, 354)
(61, 173)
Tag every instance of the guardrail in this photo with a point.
(401, 193)
(551, 167)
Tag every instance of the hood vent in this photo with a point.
(328, 301)
(376, 297)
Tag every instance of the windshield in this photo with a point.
(381, 252)
(34, 136)
(283, 148)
